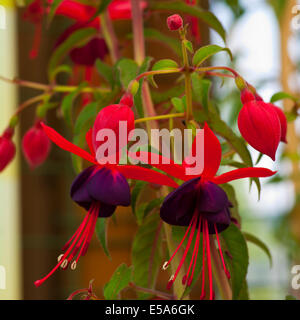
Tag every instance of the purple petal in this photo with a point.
(106, 210)
(109, 187)
(79, 192)
(211, 198)
(221, 219)
(179, 206)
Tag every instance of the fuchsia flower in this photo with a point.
(7, 148)
(201, 205)
(261, 124)
(99, 189)
(34, 13)
(36, 145)
(194, 22)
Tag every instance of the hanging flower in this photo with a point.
(99, 189)
(200, 205)
(34, 13)
(36, 145)
(261, 124)
(7, 148)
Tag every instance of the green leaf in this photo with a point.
(201, 89)
(251, 238)
(237, 246)
(206, 52)
(53, 9)
(189, 46)
(76, 39)
(67, 103)
(165, 64)
(147, 253)
(78, 140)
(290, 297)
(119, 281)
(180, 7)
(281, 96)
(101, 232)
(178, 104)
(128, 71)
(228, 188)
(106, 71)
(174, 44)
(136, 192)
(88, 113)
(62, 68)
(102, 7)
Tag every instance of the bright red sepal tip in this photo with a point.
(212, 159)
(129, 171)
(7, 148)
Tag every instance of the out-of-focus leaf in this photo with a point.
(119, 281)
(102, 7)
(206, 52)
(201, 89)
(76, 39)
(173, 43)
(78, 140)
(106, 72)
(282, 95)
(147, 253)
(101, 232)
(238, 265)
(87, 113)
(67, 103)
(54, 5)
(228, 188)
(189, 46)
(62, 68)
(251, 238)
(178, 104)
(139, 186)
(180, 7)
(290, 297)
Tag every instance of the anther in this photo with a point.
(59, 257)
(165, 265)
(64, 264)
(73, 265)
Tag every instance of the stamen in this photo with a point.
(166, 264)
(196, 253)
(203, 294)
(88, 72)
(81, 235)
(221, 253)
(186, 249)
(208, 261)
(59, 257)
(36, 41)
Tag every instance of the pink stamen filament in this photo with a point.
(196, 249)
(203, 263)
(36, 40)
(211, 293)
(180, 244)
(185, 251)
(221, 253)
(86, 228)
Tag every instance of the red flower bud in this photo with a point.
(174, 22)
(7, 148)
(127, 100)
(109, 118)
(260, 126)
(247, 96)
(36, 145)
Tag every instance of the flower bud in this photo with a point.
(36, 145)
(260, 126)
(127, 100)
(7, 148)
(111, 117)
(174, 22)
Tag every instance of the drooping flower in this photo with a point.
(34, 13)
(99, 189)
(7, 148)
(261, 124)
(200, 205)
(36, 145)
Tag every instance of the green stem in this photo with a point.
(166, 116)
(188, 80)
(139, 54)
(219, 274)
(110, 36)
